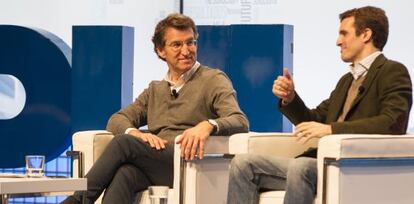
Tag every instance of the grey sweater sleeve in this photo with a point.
(132, 116)
(230, 119)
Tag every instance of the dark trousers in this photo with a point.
(128, 165)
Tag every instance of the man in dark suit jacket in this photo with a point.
(374, 98)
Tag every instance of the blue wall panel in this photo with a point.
(214, 46)
(102, 74)
(252, 56)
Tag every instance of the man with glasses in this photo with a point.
(375, 97)
(193, 100)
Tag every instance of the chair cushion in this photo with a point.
(272, 197)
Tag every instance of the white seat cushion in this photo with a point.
(272, 197)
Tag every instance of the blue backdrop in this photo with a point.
(42, 62)
(252, 56)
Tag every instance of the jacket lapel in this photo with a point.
(339, 99)
(372, 73)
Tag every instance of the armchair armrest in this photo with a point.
(91, 144)
(195, 180)
(351, 166)
(366, 146)
(275, 144)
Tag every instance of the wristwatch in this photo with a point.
(214, 124)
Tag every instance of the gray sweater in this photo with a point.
(208, 94)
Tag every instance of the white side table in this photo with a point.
(15, 187)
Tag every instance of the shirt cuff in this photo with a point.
(215, 124)
(128, 130)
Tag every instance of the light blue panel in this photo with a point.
(252, 56)
(42, 63)
(102, 74)
(376, 162)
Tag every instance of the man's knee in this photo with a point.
(242, 164)
(303, 167)
(240, 161)
(125, 171)
(127, 176)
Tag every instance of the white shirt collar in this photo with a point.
(183, 78)
(362, 67)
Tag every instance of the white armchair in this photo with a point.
(272, 144)
(206, 181)
(91, 144)
(190, 178)
(355, 169)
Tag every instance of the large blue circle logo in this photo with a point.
(40, 63)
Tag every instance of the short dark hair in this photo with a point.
(370, 17)
(175, 20)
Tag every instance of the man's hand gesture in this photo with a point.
(283, 87)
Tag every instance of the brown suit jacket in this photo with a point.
(382, 106)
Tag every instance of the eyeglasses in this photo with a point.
(177, 45)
